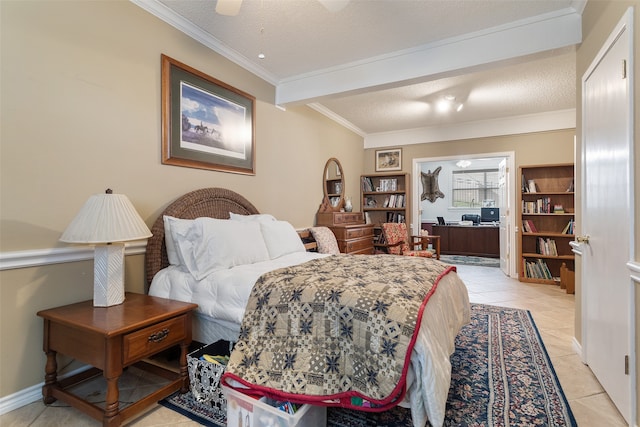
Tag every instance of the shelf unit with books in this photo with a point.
(385, 198)
(546, 219)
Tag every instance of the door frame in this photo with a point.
(511, 184)
(625, 24)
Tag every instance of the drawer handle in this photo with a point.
(159, 336)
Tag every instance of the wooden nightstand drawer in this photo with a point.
(151, 340)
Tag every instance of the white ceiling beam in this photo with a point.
(552, 120)
(547, 32)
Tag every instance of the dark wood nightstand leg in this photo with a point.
(111, 406)
(184, 372)
(50, 377)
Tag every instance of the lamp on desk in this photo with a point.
(107, 221)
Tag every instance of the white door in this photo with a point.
(607, 215)
(503, 188)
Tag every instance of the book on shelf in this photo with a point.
(546, 246)
(388, 184)
(531, 186)
(537, 270)
(529, 226)
(571, 187)
(558, 209)
(568, 229)
(395, 217)
(542, 205)
(367, 184)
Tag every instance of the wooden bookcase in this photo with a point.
(546, 220)
(385, 198)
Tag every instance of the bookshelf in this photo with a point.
(385, 198)
(546, 220)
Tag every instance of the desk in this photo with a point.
(478, 240)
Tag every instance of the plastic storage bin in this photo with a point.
(246, 411)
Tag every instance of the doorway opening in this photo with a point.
(470, 191)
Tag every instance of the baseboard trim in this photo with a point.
(577, 347)
(30, 394)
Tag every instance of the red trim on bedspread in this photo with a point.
(344, 399)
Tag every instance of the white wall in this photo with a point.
(442, 206)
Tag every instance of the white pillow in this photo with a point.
(281, 238)
(254, 217)
(212, 244)
(172, 253)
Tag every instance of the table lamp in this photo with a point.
(107, 221)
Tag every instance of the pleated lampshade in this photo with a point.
(106, 218)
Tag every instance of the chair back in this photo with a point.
(393, 233)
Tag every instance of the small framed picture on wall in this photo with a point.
(389, 160)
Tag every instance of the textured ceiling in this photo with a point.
(350, 58)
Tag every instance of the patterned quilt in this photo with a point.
(336, 330)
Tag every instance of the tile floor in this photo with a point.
(553, 312)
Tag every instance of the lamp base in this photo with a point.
(108, 275)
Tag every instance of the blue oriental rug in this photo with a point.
(470, 260)
(502, 376)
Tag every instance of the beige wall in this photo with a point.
(81, 112)
(599, 20)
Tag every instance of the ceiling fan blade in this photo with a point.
(334, 5)
(228, 7)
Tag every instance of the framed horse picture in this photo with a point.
(206, 124)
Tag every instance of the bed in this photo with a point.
(229, 299)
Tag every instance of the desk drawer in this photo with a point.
(149, 341)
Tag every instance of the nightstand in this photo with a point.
(110, 339)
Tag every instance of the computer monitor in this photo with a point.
(489, 214)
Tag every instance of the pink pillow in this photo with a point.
(326, 240)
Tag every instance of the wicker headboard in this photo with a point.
(211, 202)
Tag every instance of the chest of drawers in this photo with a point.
(354, 238)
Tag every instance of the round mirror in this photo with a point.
(333, 185)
